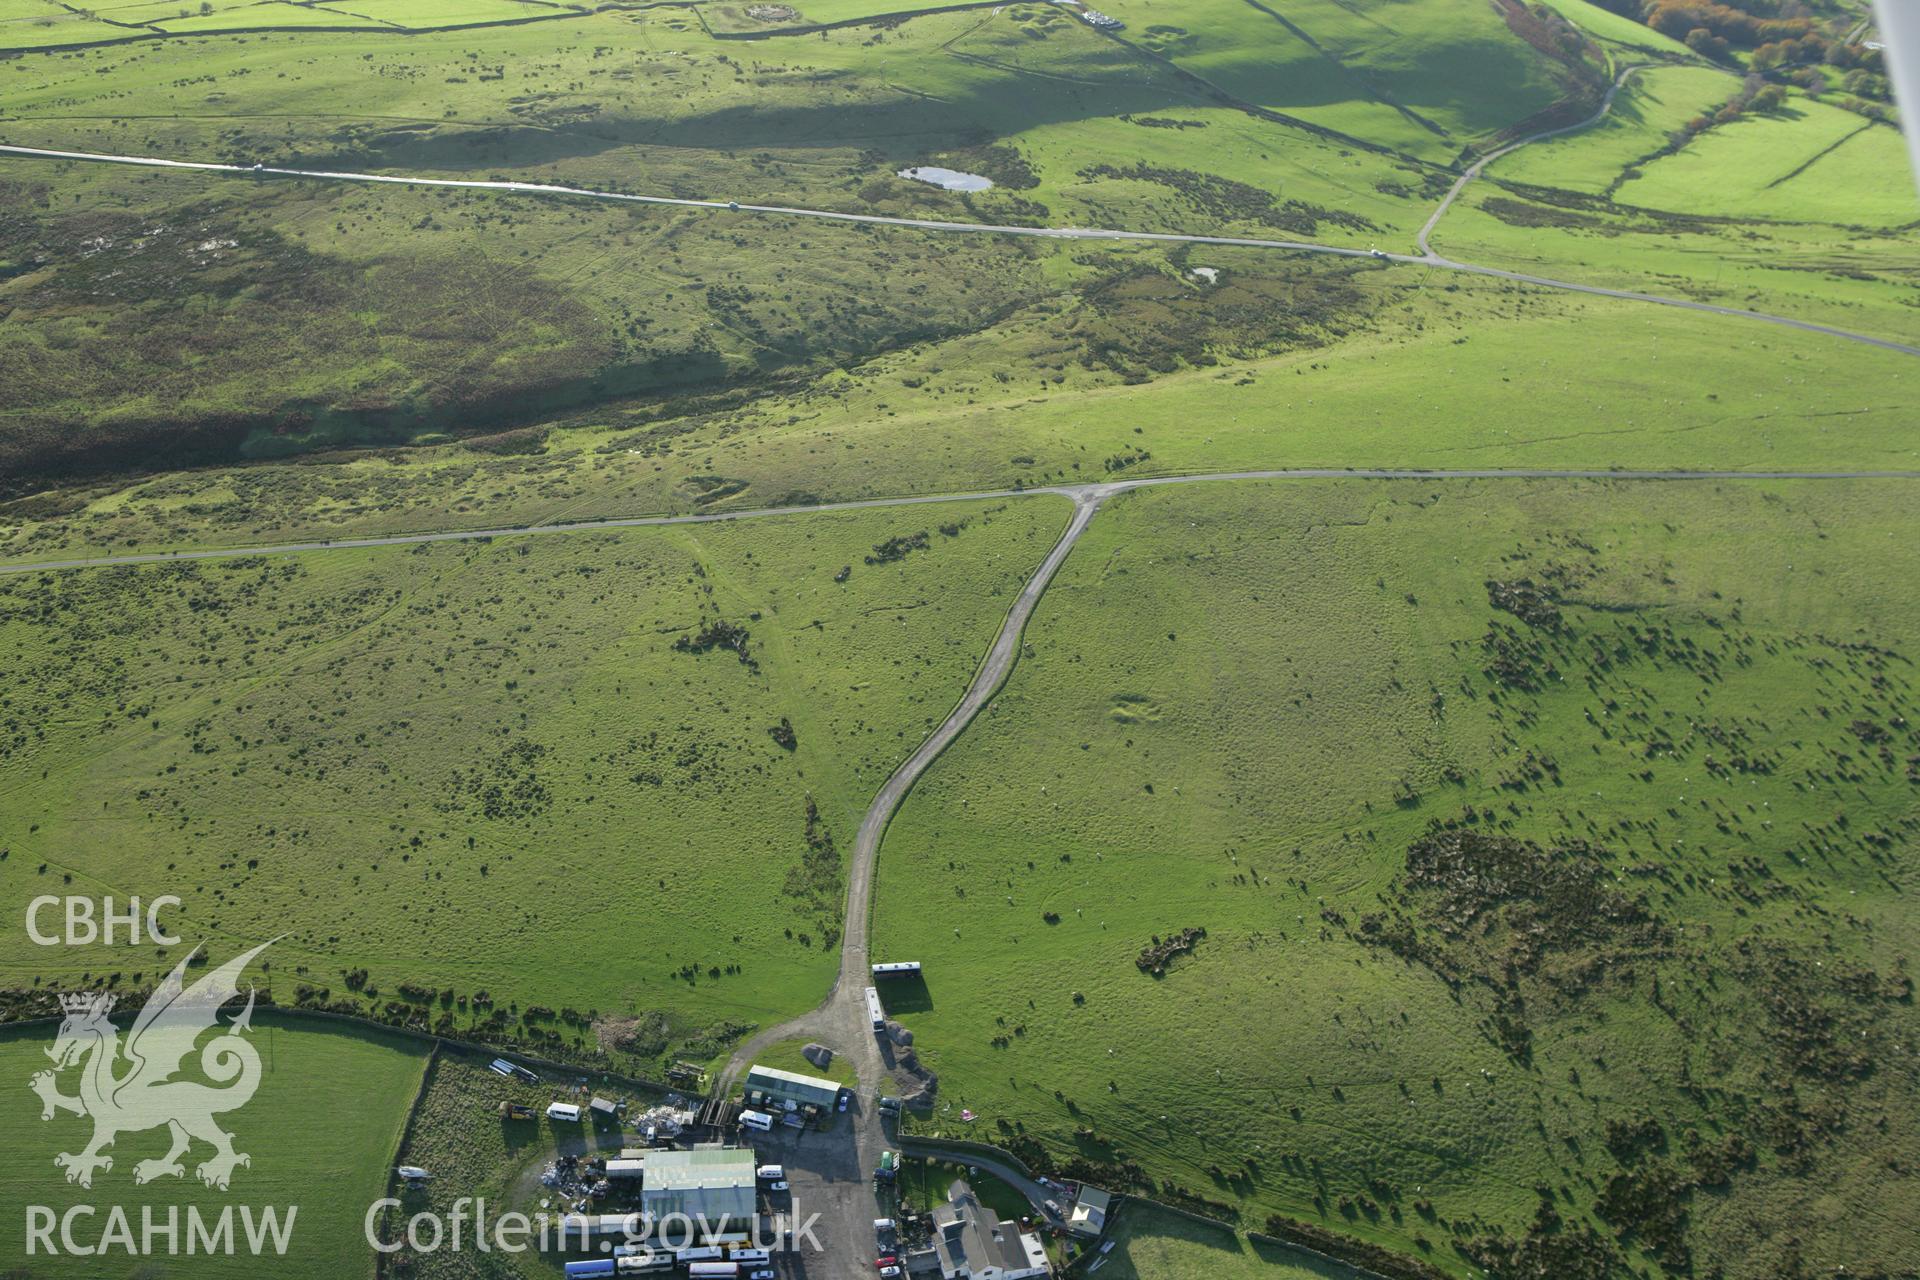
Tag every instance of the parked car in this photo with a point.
(886, 1260)
(845, 1098)
(777, 1186)
(765, 1273)
(889, 1272)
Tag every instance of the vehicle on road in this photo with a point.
(734, 205)
(1375, 253)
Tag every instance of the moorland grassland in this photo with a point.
(1516, 818)
(460, 777)
(1510, 876)
(158, 318)
(1433, 374)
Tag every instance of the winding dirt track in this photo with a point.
(1475, 169)
(1422, 259)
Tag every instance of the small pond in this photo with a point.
(951, 179)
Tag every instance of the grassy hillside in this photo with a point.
(157, 320)
(1373, 368)
(1669, 726)
(518, 787)
(160, 320)
(1645, 113)
(322, 1131)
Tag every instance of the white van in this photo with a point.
(748, 1119)
(749, 1255)
(770, 1173)
(563, 1111)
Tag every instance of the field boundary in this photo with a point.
(871, 20)
(145, 35)
(294, 1013)
(406, 1137)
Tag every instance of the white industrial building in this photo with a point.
(714, 1182)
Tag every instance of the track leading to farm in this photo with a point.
(1422, 259)
(842, 1016)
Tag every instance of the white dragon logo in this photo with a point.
(147, 1096)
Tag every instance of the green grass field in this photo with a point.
(515, 788)
(1033, 404)
(1804, 211)
(1244, 708)
(1628, 39)
(787, 1057)
(322, 1131)
(1151, 1244)
(1644, 114)
(1814, 163)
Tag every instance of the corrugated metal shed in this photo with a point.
(714, 1181)
(787, 1085)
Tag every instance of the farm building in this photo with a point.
(972, 1243)
(1089, 1216)
(775, 1088)
(715, 1182)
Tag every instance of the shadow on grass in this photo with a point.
(904, 993)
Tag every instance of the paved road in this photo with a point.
(1423, 259)
(1474, 170)
(1076, 492)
